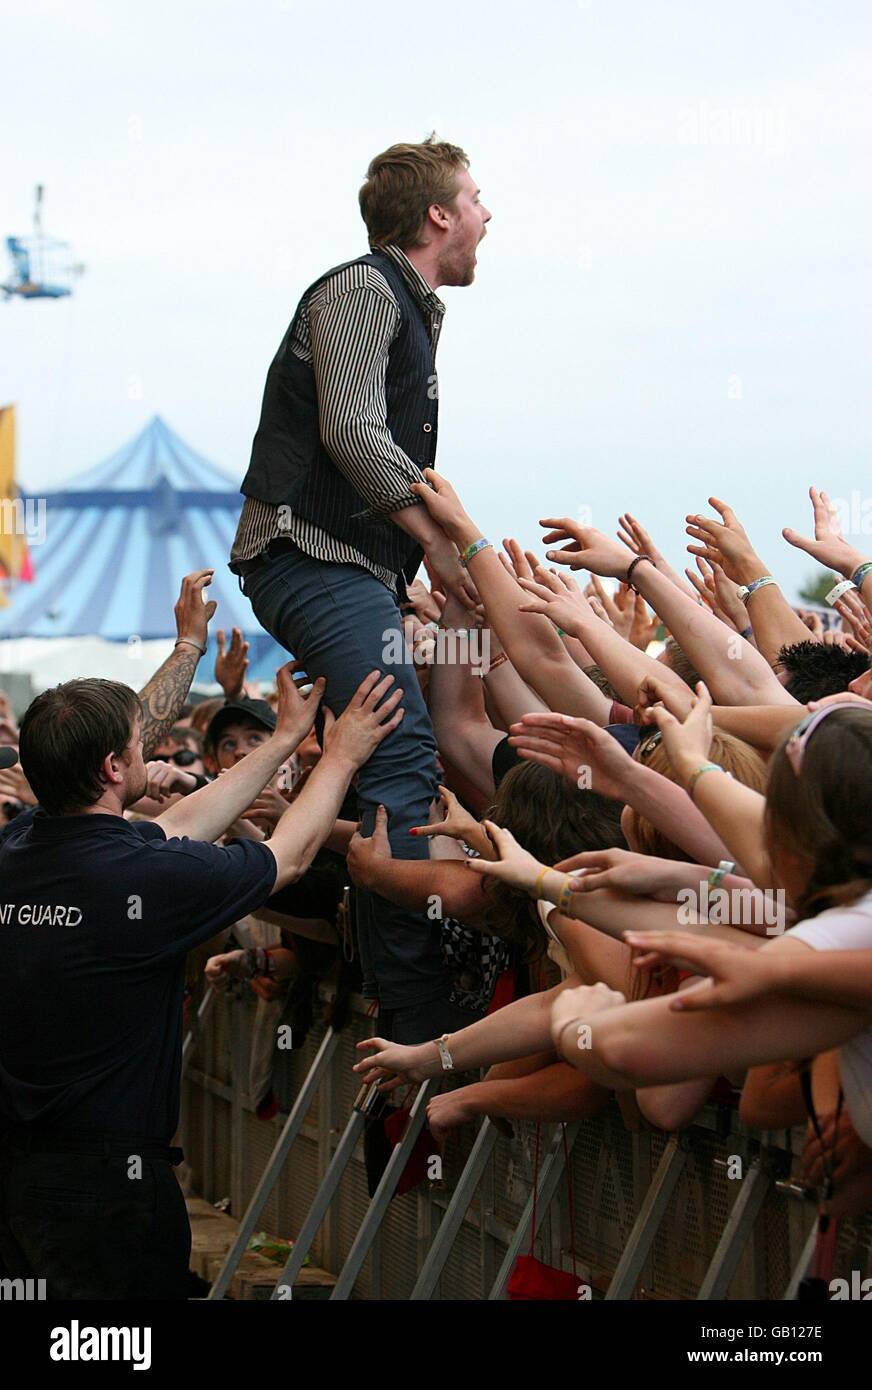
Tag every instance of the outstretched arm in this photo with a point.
(737, 672)
(726, 543)
(442, 884)
(576, 748)
(533, 647)
(649, 1043)
(514, 1031)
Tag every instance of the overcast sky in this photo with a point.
(673, 300)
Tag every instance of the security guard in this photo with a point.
(96, 915)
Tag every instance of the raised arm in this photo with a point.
(830, 548)
(533, 647)
(736, 672)
(464, 734)
(734, 812)
(726, 543)
(164, 695)
(559, 598)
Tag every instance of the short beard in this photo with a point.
(459, 274)
(132, 795)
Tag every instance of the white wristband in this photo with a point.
(836, 593)
(445, 1055)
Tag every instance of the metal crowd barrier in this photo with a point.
(709, 1213)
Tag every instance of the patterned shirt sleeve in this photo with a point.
(351, 333)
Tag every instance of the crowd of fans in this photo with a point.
(651, 854)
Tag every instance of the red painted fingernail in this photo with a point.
(413, 832)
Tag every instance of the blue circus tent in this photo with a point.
(120, 537)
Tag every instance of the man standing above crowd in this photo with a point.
(330, 532)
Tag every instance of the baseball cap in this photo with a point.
(260, 711)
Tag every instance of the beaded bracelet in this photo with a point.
(632, 565)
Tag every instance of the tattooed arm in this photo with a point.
(164, 695)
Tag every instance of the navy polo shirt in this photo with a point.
(96, 915)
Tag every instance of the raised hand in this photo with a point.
(295, 712)
(231, 663)
(645, 626)
(687, 742)
(586, 548)
(558, 597)
(365, 852)
(516, 561)
(856, 619)
(737, 973)
(725, 543)
(719, 593)
(633, 535)
(193, 613)
(514, 866)
(829, 547)
(617, 607)
(578, 749)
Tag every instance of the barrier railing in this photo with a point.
(709, 1213)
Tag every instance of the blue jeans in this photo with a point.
(337, 620)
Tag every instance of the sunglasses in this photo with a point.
(183, 758)
(647, 745)
(796, 744)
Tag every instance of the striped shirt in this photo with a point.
(345, 331)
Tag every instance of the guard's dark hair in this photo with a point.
(66, 734)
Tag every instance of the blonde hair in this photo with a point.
(731, 753)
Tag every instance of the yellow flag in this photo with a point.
(13, 548)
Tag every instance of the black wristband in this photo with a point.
(632, 565)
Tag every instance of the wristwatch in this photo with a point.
(444, 1054)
